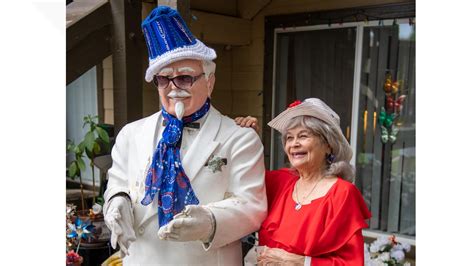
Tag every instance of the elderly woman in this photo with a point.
(315, 213)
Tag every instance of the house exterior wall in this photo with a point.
(249, 60)
(239, 75)
(108, 88)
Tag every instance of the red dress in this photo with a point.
(329, 229)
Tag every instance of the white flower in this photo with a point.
(379, 262)
(406, 247)
(96, 208)
(385, 256)
(397, 247)
(385, 250)
(373, 263)
(374, 248)
(384, 240)
(379, 243)
(398, 255)
(366, 252)
(406, 264)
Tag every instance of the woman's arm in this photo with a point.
(248, 121)
(272, 256)
(352, 253)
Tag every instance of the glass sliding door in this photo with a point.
(386, 168)
(320, 61)
(81, 100)
(317, 63)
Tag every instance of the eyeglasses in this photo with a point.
(183, 82)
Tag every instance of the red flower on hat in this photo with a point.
(295, 103)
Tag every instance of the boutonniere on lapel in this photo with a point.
(215, 163)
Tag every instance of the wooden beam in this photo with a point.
(82, 19)
(218, 29)
(128, 45)
(87, 33)
(170, 3)
(87, 53)
(249, 8)
(183, 7)
(79, 9)
(226, 8)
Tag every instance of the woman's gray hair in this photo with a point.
(343, 153)
(209, 67)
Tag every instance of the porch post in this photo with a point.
(127, 49)
(183, 6)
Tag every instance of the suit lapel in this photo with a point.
(146, 140)
(203, 146)
(197, 155)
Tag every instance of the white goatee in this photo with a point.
(179, 109)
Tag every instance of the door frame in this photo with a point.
(353, 17)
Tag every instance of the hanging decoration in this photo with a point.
(360, 15)
(389, 114)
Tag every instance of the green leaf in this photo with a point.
(77, 150)
(81, 164)
(72, 170)
(100, 200)
(89, 154)
(96, 148)
(89, 141)
(70, 145)
(81, 147)
(102, 134)
(106, 147)
(86, 121)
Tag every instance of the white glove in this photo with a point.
(119, 219)
(193, 223)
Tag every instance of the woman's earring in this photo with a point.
(330, 158)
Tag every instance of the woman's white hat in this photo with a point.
(316, 108)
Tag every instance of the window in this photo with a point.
(317, 63)
(386, 171)
(346, 65)
(81, 100)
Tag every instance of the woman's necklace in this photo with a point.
(298, 202)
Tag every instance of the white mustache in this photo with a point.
(179, 94)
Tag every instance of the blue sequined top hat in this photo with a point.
(169, 40)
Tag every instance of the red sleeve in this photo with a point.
(345, 214)
(275, 181)
(351, 254)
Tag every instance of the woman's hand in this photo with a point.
(248, 121)
(278, 256)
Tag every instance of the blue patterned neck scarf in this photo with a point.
(166, 176)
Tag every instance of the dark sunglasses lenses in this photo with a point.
(182, 82)
(160, 81)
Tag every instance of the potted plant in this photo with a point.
(386, 250)
(76, 231)
(95, 142)
(77, 166)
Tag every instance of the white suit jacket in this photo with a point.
(236, 194)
